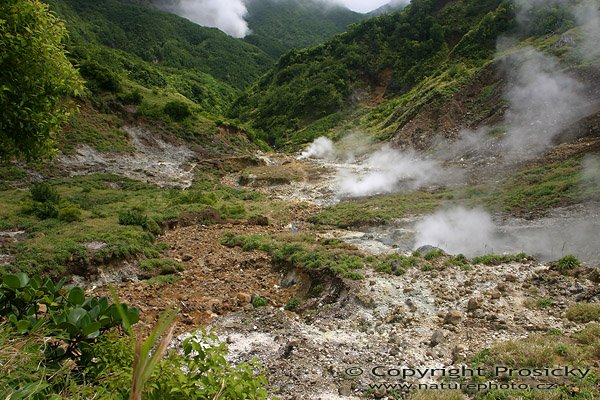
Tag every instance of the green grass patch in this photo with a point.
(542, 187)
(567, 263)
(380, 209)
(101, 131)
(584, 312)
(162, 280)
(497, 259)
(396, 264)
(161, 266)
(577, 350)
(296, 252)
(123, 214)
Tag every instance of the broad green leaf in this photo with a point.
(90, 329)
(75, 315)
(23, 325)
(76, 296)
(70, 328)
(133, 315)
(16, 281)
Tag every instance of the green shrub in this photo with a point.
(45, 210)
(152, 227)
(202, 372)
(233, 211)
(433, 254)
(135, 97)
(584, 312)
(396, 264)
(497, 259)
(69, 213)
(544, 303)
(44, 193)
(133, 217)
(292, 304)
(568, 262)
(99, 77)
(73, 318)
(177, 110)
(259, 301)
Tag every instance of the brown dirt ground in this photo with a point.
(217, 280)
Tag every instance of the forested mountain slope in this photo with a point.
(379, 74)
(163, 39)
(280, 25)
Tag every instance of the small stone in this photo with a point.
(244, 298)
(453, 317)
(345, 389)
(473, 304)
(380, 393)
(436, 338)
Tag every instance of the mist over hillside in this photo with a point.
(272, 25)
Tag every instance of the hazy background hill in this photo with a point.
(280, 25)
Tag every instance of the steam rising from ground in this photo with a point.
(227, 15)
(588, 16)
(387, 171)
(322, 148)
(473, 232)
(457, 231)
(543, 101)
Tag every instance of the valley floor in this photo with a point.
(366, 300)
(438, 313)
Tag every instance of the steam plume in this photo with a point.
(322, 148)
(458, 230)
(387, 171)
(543, 101)
(588, 16)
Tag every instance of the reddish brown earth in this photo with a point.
(217, 280)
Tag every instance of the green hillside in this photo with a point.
(280, 25)
(162, 39)
(391, 53)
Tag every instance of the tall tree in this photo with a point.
(36, 79)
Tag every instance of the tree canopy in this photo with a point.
(36, 79)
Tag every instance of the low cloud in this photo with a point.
(227, 15)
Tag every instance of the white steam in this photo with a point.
(227, 15)
(473, 232)
(385, 170)
(591, 172)
(458, 230)
(543, 101)
(388, 171)
(588, 16)
(322, 148)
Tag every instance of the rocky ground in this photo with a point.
(422, 319)
(154, 160)
(426, 318)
